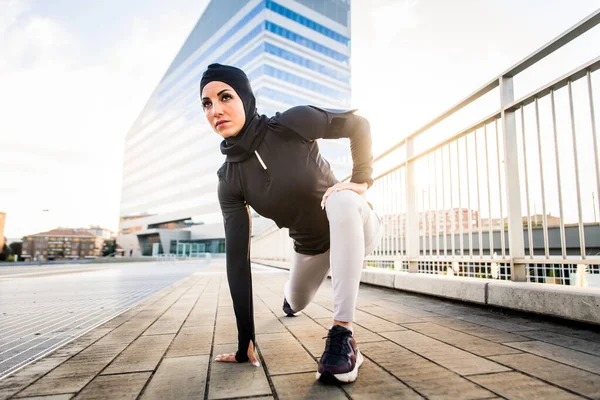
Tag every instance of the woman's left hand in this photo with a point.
(359, 188)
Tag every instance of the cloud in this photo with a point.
(65, 119)
(29, 42)
(392, 19)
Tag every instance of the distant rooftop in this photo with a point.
(66, 232)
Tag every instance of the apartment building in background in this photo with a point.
(62, 244)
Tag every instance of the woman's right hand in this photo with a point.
(231, 356)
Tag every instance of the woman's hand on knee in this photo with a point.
(359, 188)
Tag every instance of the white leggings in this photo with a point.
(355, 231)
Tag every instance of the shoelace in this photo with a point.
(338, 346)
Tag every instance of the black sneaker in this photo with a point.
(288, 310)
(341, 359)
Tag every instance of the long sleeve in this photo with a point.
(237, 250)
(315, 123)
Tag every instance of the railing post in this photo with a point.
(513, 189)
(412, 213)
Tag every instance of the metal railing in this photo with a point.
(469, 204)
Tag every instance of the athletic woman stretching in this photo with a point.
(274, 166)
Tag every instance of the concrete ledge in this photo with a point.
(379, 277)
(580, 304)
(472, 290)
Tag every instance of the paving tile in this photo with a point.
(450, 357)
(226, 333)
(173, 318)
(296, 358)
(427, 378)
(21, 379)
(259, 308)
(167, 324)
(571, 357)
(374, 323)
(305, 386)
(464, 341)
(142, 355)
(178, 378)
(435, 306)
(136, 326)
(115, 387)
(571, 342)
(192, 341)
(226, 310)
(235, 380)
(311, 337)
(373, 382)
(65, 396)
(300, 320)
(484, 332)
(316, 311)
(200, 319)
(515, 385)
(497, 322)
(390, 315)
(72, 375)
(574, 379)
(267, 323)
(581, 333)
(411, 311)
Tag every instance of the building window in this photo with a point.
(294, 37)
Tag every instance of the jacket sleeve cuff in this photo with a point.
(241, 357)
(362, 177)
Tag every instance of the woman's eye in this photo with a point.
(227, 97)
(205, 104)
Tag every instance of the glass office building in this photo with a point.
(294, 52)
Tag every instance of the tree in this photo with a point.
(16, 248)
(109, 247)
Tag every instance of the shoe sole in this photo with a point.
(346, 377)
(293, 314)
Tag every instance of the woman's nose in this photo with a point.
(217, 109)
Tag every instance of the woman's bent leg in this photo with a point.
(306, 275)
(355, 230)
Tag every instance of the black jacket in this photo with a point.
(285, 180)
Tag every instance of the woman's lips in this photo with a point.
(221, 123)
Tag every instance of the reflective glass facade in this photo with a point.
(294, 51)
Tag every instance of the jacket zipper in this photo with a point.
(262, 163)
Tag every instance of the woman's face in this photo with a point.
(223, 108)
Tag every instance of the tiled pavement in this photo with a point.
(414, 347)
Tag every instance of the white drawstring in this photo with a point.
(260, 160)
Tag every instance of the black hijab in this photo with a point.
(241, 146)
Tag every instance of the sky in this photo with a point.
(74, 76)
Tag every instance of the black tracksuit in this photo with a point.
(284, 177)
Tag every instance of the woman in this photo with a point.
(274, 166)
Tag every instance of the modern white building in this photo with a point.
(294, 52)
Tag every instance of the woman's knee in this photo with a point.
(343, 204)
(298, 301)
